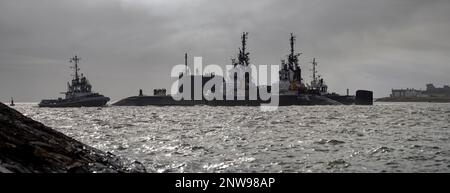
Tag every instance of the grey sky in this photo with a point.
(130, 44)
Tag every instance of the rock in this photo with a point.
(331, 142)
(335, 142)
(28, 146)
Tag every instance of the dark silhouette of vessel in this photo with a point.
(12, 102)
(292, 89)
(79, 93)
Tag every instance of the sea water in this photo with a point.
(386, 137)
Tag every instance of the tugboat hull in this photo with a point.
(85, 102)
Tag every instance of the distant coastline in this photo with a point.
(431, 94)
(414, 99)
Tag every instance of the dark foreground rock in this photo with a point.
(31, 147)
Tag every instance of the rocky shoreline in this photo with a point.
(27, 146)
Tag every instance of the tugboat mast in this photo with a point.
(293, 57)
(75, 61)
(186, 63)
(243, 58)
(293, 61)
(314, 63)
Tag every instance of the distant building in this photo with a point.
(431, 91)
(402, 93)
(439, 92)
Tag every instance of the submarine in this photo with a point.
(292, 89)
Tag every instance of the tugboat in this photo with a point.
(12, 102)
(318, 85)
(78, 94)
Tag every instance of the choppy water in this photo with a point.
(387, 137)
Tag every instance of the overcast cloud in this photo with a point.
(130, 44)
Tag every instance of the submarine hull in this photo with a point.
(284, 100)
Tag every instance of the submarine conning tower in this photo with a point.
(188, 78)
(364, 97)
